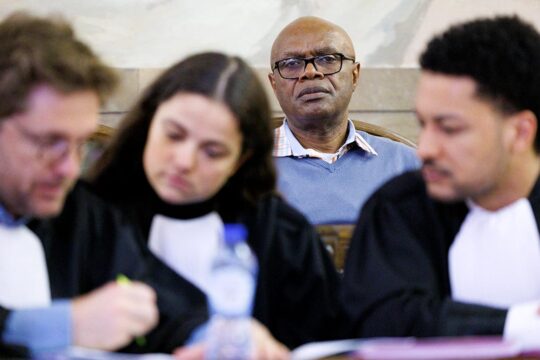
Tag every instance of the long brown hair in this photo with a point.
(119, 174)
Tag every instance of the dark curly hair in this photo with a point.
(501, 54)
(119, 173)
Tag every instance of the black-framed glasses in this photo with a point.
(293, 68)
(50, 148)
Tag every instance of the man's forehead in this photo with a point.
(300, 44)
(449, 86)
(54, 112)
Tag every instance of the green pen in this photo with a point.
(123, 280)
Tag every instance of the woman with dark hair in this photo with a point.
(194, 153)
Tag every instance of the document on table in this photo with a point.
(78, 353)
(481, 347)
(322, 349)
(466, 348)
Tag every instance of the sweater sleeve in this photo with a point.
(7, 350)
(40, 329)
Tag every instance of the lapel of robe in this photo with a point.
(534, 199)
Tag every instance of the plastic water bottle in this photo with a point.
(230, 296)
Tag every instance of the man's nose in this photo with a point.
(310, 72)
(428, 144)
(69, 165)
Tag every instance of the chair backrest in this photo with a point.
(103, 134)
(336, 238)
(369, 128)
(381, 131)
(95, 145)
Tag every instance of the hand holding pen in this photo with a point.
(114, 315)
(123, 280)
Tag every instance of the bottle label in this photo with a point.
(231, 291)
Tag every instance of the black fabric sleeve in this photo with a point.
(91, 243)
(396, 274)
(181, 306)
(297, 295)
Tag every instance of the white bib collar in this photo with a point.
(187, 246)
(24, 279)
(495, 257)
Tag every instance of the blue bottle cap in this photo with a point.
(234, 233)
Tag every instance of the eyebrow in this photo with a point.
(57, 135)
(447, 117)
(216, 143)
(171, 122)
(440, 117)
(210, 142)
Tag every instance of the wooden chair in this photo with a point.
(369, 128)
(95, 145)
(383, 132)
(103, 134)
(336, 238)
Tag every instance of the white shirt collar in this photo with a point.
(286, 144)
(24, 278)
(187, 246)
(495, 257)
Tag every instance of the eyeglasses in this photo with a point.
(293, 68)
(50, 148)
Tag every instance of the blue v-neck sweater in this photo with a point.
(335, 193)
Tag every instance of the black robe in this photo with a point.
(396, 274)
(89, 244)
(297, 295)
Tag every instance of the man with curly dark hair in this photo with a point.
(454, 248)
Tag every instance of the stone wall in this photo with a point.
(384, 96)
(138, 36)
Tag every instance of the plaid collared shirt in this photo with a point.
(286, 144)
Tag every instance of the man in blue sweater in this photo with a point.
(326, 168)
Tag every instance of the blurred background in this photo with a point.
(141, 37)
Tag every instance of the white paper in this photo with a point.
(321, 349)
